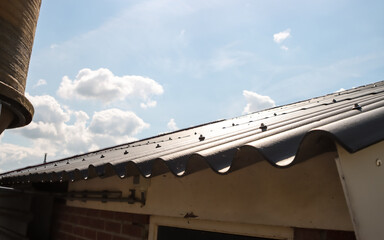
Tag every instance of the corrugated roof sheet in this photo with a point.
(282, 136)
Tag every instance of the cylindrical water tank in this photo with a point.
(18, 19)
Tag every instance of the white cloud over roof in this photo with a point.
(104, 86)
(12, 152)
(256, 102)
(116, 122)
(172, 125)
(61, 131)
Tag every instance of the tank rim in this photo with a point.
(20, 106)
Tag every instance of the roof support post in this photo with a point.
(362, 178)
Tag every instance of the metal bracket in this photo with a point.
(132, 197)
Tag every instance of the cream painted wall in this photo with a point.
(307, 195)
(362, 175)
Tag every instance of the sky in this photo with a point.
(107, 72)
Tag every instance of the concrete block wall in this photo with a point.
(72, 223)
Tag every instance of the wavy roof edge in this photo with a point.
(283, 136)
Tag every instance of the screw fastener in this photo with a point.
(201, 138)
(263, 127)
(378, 162)
(357, 107)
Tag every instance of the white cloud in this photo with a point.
(172, 125)
(148, 104)
(16, 153)
(285, 48)
(60, 131)
(40, 130)
(104, 86)
(41, 82)
(256, 102)
(281, 36)
(340, 90)
(47, 109)
(117, 122)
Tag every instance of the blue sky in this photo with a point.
(108, 72)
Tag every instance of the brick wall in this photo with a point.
(70, 223)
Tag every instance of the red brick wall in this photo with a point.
(70, 223)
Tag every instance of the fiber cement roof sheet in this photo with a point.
(283, 136)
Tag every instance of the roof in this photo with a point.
(283, 136)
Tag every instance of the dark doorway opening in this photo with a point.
(173, 233)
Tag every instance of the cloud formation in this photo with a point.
(172, 125)
(281, 36)
(256, 102)
(41, 82)
(148, 104)
(15, 153)
(60, 131)
(104, 86)
(115, 122)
